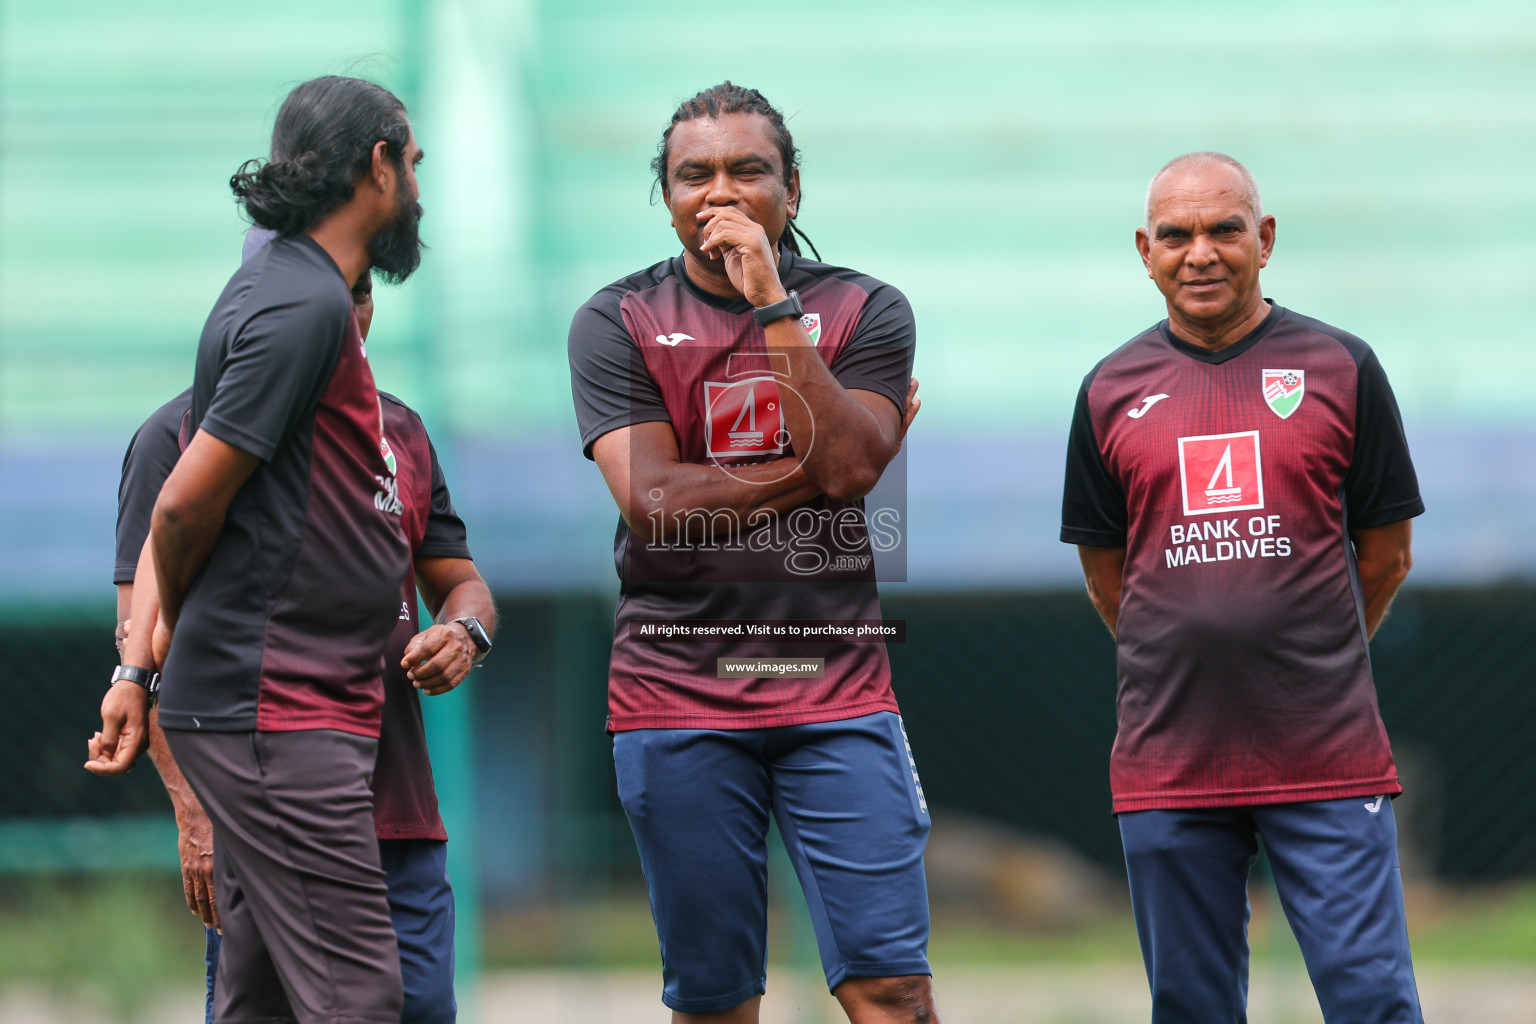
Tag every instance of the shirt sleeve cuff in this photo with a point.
(1092, 538)
(239, 437)
(442, 550)
(612, 423)
(1394, 513)
(879, 387)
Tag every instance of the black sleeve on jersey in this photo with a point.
(879, 356)
(151, 456)
(275, 372)
(1093, 510)
(609, 382)
(446, 536)
(1381, 486)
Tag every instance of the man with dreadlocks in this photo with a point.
(740, 400)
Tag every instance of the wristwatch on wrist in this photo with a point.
(146, 678)
(477, 634)
(765, 315)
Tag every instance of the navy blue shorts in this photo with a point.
(421, 909)
(1335, 869)
(848, 802)
(211, 962)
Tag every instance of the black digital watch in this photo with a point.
(765, 315)
(477, 634)
(147, 678)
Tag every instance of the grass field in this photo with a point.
(1034, 993)
(123, 949)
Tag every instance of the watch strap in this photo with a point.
(147, 678)
(790, 306)
(477, 634)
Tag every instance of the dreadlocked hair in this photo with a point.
(728, 98)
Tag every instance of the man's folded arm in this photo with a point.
(655, 490)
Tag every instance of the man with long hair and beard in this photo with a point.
(418, 662)
(279, 554)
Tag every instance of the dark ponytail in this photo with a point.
(322, 142)
(727, 98)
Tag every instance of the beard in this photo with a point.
(395, 251)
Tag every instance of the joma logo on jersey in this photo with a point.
(744, 418)
(1221, 473)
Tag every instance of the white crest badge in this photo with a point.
(812, 324)
(1284, 390)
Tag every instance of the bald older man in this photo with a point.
(1240, 491)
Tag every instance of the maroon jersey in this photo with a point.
(1232, 479)
(654, 347)
(404, 800)
(284, 627)
(151, 455)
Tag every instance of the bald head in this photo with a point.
(1174, 169)
(1205, 240)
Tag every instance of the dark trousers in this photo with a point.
(421, 908)
(307, 933)
(1335, 868)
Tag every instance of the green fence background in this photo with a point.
(990, 157)
(1009, 705)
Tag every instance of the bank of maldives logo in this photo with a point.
(744, 418)
(1221, 473)
(1283, 390)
